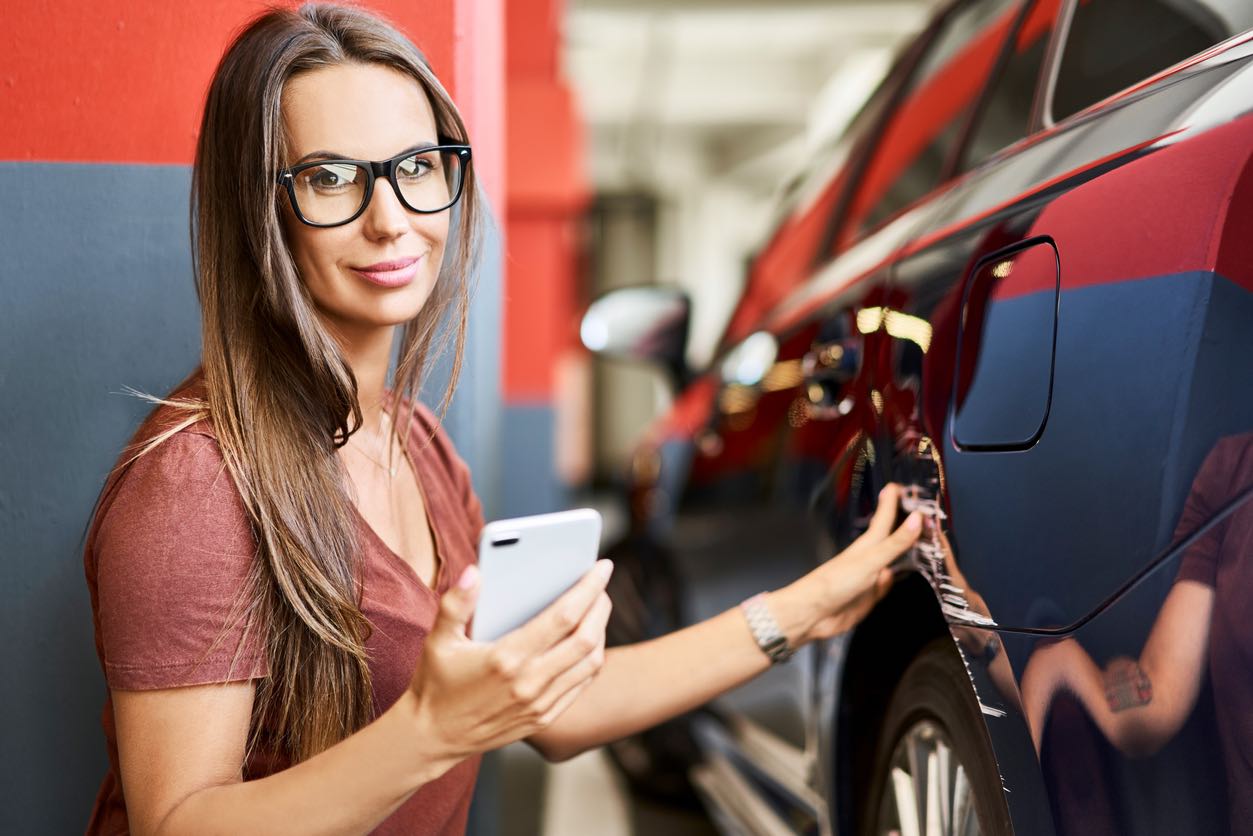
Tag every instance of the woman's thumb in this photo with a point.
(456, 607)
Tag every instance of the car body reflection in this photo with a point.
(1034, 311)
(1139, 700)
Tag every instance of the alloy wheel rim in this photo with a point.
(927, 791)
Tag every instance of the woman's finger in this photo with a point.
(561, 617)
(894, 545)
(564, 702)
(456, 607)
(576, 675)
(567, 654)
(884, 514)
(883, 584)
(589, 635)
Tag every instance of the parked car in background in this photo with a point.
(1022, 286)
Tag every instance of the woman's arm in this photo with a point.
(181, 750)
(645, 684)
(1138, 704)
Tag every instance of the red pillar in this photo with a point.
(546, 195)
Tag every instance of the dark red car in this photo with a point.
(1027, 294)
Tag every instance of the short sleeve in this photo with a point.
(172, 552)
(1216, 483)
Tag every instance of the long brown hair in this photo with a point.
(277, 389)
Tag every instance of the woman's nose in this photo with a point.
(386, 216)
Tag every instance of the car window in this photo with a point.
(803, 221)
(916, 143)
(1112, 44)
(1005, 113)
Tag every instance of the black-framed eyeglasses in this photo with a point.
(333, 192)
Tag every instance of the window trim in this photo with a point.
(1042, 111)
(953, 167)
(864, 150)
(1061, 35)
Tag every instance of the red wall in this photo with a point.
(124, 81)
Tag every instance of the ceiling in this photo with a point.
(694, 90)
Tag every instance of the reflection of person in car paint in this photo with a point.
(1139, 704)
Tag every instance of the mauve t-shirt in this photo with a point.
(1223, 559)
(167, 555)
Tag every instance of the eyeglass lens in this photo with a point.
(333, 191)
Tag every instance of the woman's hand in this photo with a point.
(1138, 702)
(470, 697)
(832, 598)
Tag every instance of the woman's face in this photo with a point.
(363, 112)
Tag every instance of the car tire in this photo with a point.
(933, 756)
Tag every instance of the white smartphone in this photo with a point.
(526, 563)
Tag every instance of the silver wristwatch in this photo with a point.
(766, 630)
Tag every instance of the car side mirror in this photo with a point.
(646, 323)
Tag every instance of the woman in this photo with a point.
(1139, 704)
(282, 567)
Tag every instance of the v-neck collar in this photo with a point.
(440, 552)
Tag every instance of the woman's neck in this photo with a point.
(369, 355)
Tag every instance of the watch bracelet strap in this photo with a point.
(766, 630)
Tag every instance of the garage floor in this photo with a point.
(581, 796)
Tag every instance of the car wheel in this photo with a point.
(934, 771)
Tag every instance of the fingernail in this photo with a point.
(914, 523)
(469, 577)
(884, 491)
(604, 568)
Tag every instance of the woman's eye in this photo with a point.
(414, 167)
(332, 177)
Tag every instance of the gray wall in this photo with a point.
(97, 295)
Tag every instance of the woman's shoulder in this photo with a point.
(172, 479)
(168, 554)
(176, 443)
(183, 413)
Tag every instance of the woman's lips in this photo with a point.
(390, 273)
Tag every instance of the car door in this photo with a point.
(1083, 341)
(784, 475)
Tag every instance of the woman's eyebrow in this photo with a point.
(331, 155)
(321, 155)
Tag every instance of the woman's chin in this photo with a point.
(389, 318)
(364, 319)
